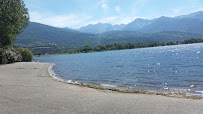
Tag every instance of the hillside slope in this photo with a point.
(43, 37)
(46, 39)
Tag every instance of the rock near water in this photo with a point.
(11, 56)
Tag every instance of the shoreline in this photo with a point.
(167, 94)
(47, 54)
(28, 88)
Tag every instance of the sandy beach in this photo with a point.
(27, 88)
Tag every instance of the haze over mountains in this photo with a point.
(46, 39)
(100, 28)
(186, 23)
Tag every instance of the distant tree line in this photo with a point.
(121, 46)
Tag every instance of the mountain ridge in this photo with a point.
(100, 28)
(183, 23)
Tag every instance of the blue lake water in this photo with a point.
(163, 69)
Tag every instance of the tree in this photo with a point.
(13, 18)
(38, 53)
(65, 51)
(26, 54)
(87, 48)
(3, 59)
(170, 43)
(70, 51)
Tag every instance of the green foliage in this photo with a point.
(26, 54)
(77, 50)
(193, 40)
(64, 51)
(58, 39)
(170, 43)
(70, 51)
(120, 46)
(3, 59)
(38, 53)
(87, 48)
(13, 18)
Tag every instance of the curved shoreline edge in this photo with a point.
(27, 88)
(167, 94)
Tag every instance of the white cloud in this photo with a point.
(76, 21)
(113, 20)
(103, 4)
(117, 9)
(138, 6)
(178, 11)
(59, 20)
(103, 20)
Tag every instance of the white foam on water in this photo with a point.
(179, 89)
(158, 64)
(198, 52)
(108, 85)
(194, 86)
(165, 83)
(53, 74)
(201, 93)
(166, 88)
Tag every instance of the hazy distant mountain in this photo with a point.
(196, 15)
(188, 23)
(71, 28)
(100, 28)
(132, 36)
(174, 24)
(137, 24)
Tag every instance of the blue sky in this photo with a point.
(78, 13)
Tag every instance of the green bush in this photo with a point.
(64, 51)
(38, 53)
(3, 59)
(26, 54)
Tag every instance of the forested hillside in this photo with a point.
(46, 39)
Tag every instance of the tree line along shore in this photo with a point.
(121, 46)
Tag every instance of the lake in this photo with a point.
(176, 68)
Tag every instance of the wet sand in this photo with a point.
(27, 88)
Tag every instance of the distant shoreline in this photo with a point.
(126, 45)
(27, 87)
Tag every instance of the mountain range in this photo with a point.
(100, 28)
(185, 23)
(47, 39)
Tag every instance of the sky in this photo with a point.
(78, 13)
